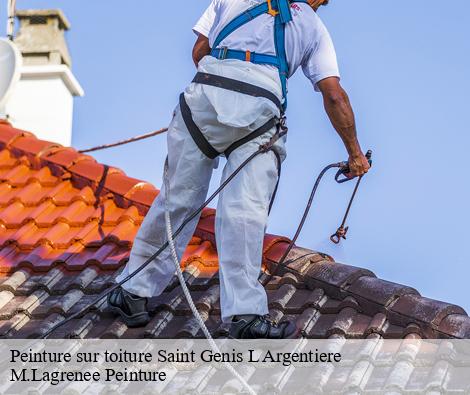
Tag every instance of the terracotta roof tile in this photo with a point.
(89, 169)
(120, 185)
(30, 145)
(63, 156)
(7, 160)
(145, 195)
(9, 135)
(67, 224)
(31, 195)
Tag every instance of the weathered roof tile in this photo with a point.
(334, 277)
(417, 309)
(372, 292)
(456, 325)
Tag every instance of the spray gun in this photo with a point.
(343, 171)
(342, 230)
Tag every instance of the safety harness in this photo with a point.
(281, 12)
(280, 9)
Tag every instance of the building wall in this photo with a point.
(43, 105)
(42, 101)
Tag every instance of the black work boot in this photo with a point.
(260, 327)
(131, 308)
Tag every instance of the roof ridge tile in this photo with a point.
(61, 156)
(412, 308)
(374, 293)
(336, 277)
(9, 134)
(120, 183)
(31, 146)
(455, 325)
(138, 187)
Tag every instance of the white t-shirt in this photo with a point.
(308, 43)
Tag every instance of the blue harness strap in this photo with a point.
(258, 58)
(282, 16)
(241, 20)
(280, 44)
(283, 7)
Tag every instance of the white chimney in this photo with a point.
(42, 102)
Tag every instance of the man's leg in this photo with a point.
(189, 176)
(241, 220)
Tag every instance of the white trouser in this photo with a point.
(242, 209)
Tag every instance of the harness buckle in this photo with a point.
(283, 124)
(271, 10)
(222, 53)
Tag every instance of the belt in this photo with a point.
(237, 86)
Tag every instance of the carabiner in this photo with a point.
(340, 234)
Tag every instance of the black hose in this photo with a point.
(304, 217)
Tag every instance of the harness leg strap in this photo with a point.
(258, 132)
(206, 148)
(202, 143)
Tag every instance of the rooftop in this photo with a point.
(67, 224)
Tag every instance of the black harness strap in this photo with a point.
(237, 86)
(202, 142)
(256, 133)
(195, 132)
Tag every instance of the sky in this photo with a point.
(405, 67)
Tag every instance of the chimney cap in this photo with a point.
(30, 14)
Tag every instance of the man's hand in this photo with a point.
(341, 115)
(358, 166)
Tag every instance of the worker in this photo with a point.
(244, 53)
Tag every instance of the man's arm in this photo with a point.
(201, 48)
(341, 115)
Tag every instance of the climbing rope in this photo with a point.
(123, 142)
(187, 294)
